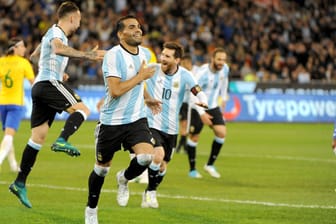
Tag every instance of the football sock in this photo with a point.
(27, 162)
(153, 173)
(160, 177)
(182, 142)
(95, 184)
(134, 169)
(215, 149)
(6, 145)
(72, 124)
(191, 150)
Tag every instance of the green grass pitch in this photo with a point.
(271, 174)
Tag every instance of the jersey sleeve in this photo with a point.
(110, 65)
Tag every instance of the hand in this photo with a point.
(154, 105)
(146, 71)
(65, 77)
(96, 54)
(100, 104)
(206, 118)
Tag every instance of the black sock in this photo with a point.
(191, 150)
(134, 169)
(215, 149)
(27, 162)
(152, 179)
(95, 184)
(181, 143)
(71, 125)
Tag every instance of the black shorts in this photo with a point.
(49, 98)
(196, 123)
(168, 142)
(110, 138)
(183, 115)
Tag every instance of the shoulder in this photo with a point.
(225, 69)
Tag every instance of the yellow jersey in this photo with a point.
(13, 70)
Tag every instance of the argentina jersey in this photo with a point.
(213, 84)
(170, 89)
(51, 65)
(128, 107)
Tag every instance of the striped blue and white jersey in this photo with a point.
(170, 89)
(213, 84)
(130, 106)
(51, 65)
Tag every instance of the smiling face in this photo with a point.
(168, 61)
(131, 34)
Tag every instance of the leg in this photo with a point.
(27, 162)
(191, 150)
(220, 132)
(95, 184)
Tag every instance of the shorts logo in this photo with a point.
(77, 96)
(99, 157)
(152, 141)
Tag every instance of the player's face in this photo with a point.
(20, 48)
(186, 63)
(218, 61)
(168, 61)
(75, 19)
(132, 33)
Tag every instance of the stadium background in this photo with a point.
(271, 172)
(282, 54)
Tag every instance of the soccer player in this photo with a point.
(14, 69)
(168, 84)
(50, 95)
(123, 119)
(185, 111)
(213, 79)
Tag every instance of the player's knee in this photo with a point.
(144, 159)
(101, 170)
(158, 155)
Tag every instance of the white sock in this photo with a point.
(6, 145)
(12, 161)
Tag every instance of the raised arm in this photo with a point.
(61, 49)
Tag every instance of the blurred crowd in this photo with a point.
(266, 40)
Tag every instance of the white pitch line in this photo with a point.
(88, 146)
(246, 202)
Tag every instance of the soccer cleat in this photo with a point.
(63, 146)
(21, 194)
(149, 200)
(195, 174)
(212, 171)
(123, 193)
(91, 216)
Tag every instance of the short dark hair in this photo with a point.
(66, 8)
(218, 50)
(179, 51)
(186, 57)
(120, 23)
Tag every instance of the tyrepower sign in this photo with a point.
(280, 108)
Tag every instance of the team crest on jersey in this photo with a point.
(176, 85)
